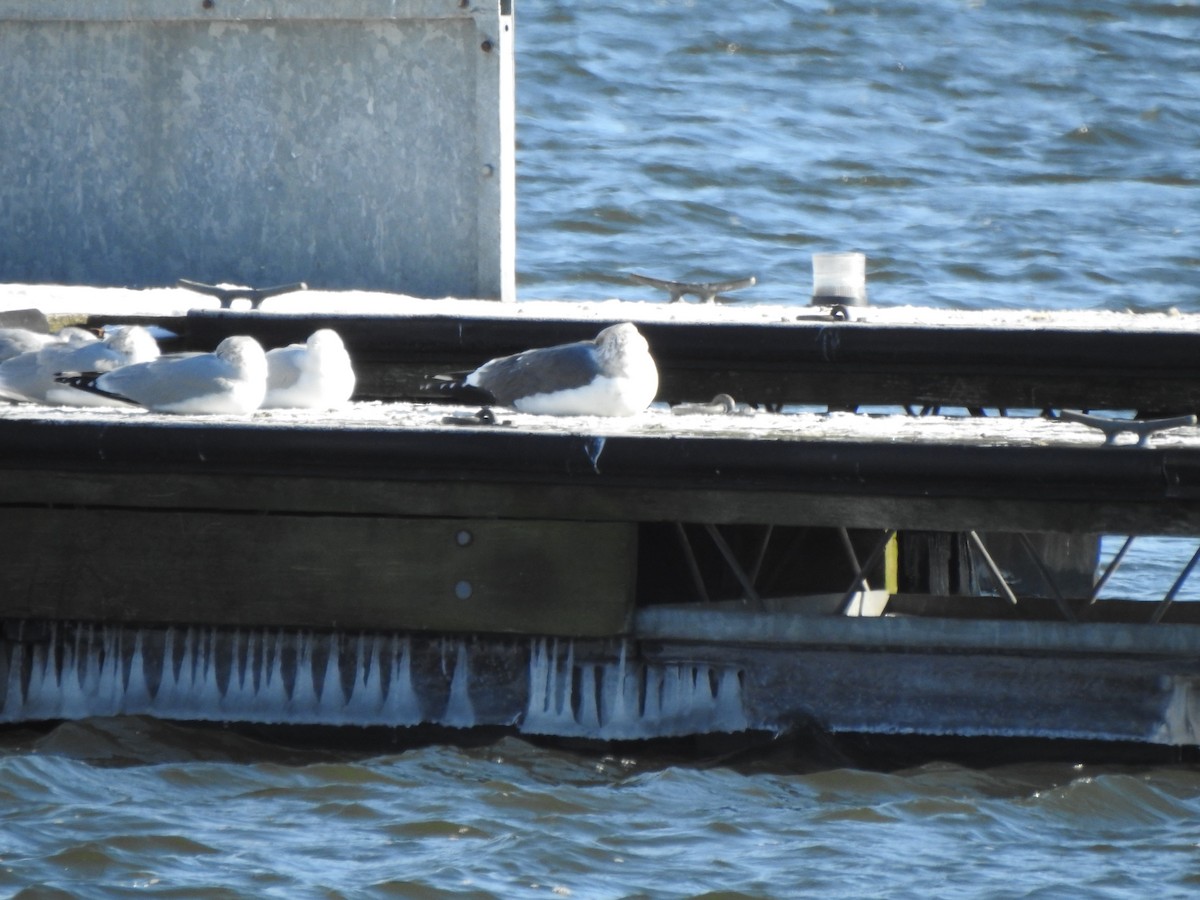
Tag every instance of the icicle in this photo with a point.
(558, 700)
(256, 675)
(273, 701)
(40, 698)
(304, 693)
(589, 714)
(401, 706)
(165, 695)
(616, 715)
(459, 711)
(539, 679)
(137, 692)
(366, 697)
(731, 711)
(14, 699)
(566, 707)
(232, 699)
(110, 684)
(205, 685)
(333, 698)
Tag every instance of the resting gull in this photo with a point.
(15, 341)
(230, 380)
(314, 375)
(613, 375)
(30, 375)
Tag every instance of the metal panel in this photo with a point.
(345, 572)
(843, 364)
(364, 144)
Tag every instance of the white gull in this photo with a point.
(613, 375)
(314, 375)
(230, 380)
(30, 376)
(15, 341)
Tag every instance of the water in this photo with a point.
(982, 155)
(135, 807)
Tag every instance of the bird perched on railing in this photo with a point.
(30, 376)
(230, 380)
(612, 375)
(314, 375)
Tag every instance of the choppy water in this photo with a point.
(982, 154)
(133, 807)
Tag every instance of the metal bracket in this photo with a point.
(722, 404)
(1142, 428)
(226, 295)
(704, 291)
(485, 417)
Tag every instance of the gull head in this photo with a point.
(244, 354)
(616, 345)
(133, 342)
(325, 340)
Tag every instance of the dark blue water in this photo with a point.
(122, 808)
(982, 154)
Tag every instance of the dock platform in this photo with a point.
(803, 559)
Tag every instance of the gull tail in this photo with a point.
(452, 387)
(86, 381)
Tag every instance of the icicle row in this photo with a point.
(622, 700)
(103, 671)
(281, 678)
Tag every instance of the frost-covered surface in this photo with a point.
(77, 300)
(658, 421)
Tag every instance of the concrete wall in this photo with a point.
(345, 143)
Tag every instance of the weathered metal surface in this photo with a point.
(839, 470)
(845, 675)
(345, 572)
(683, 625)
(361, 144)
(791, 360)
(1111, 682)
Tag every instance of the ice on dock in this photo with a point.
(73, 671)
(628, 699)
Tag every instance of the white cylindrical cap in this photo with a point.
(840, 278)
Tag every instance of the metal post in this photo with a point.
(1112, 567)
(1049, 578)
(1165, 603)
(734, 566)
(860, 578)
